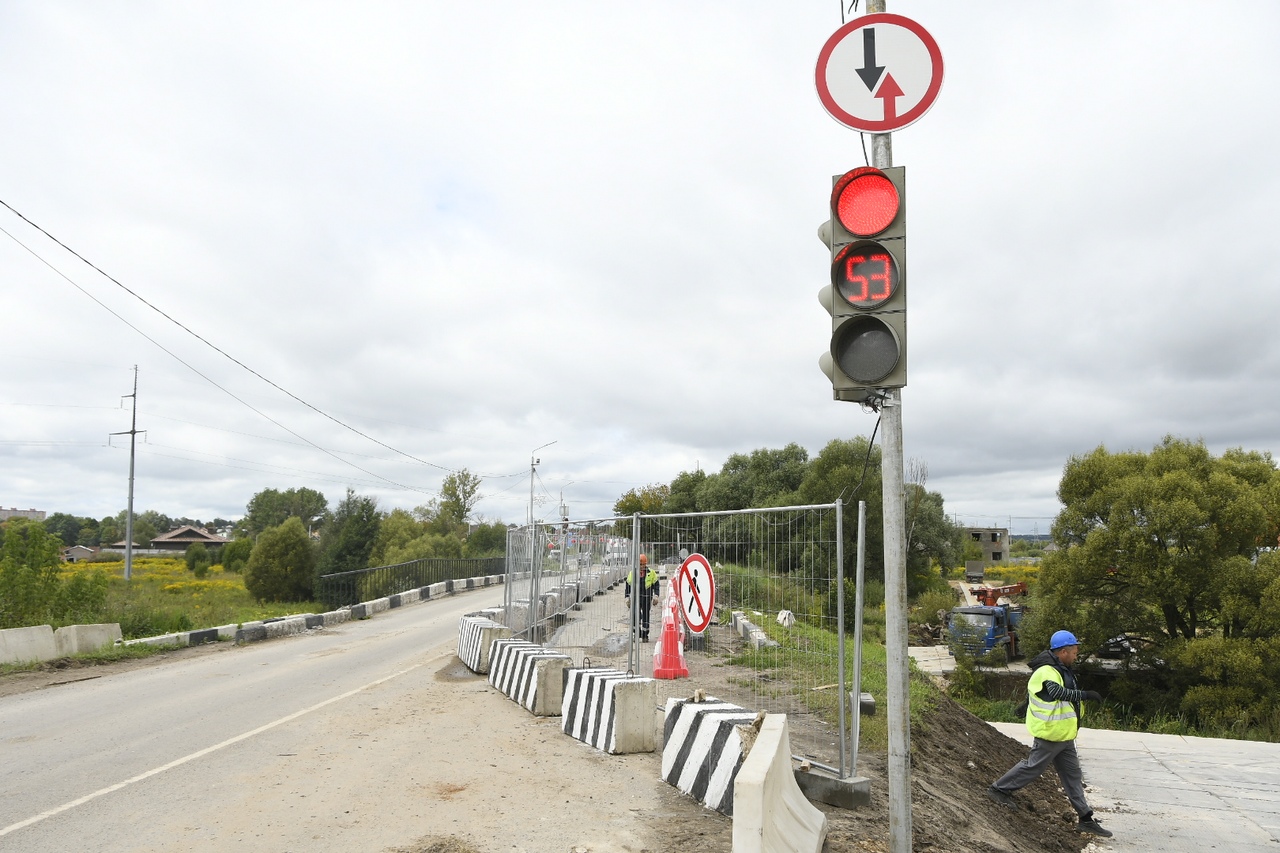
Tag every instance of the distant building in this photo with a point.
(33, 514)
(994, 542)
(76, 553)
(180, 538)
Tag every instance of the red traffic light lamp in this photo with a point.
(867, 297)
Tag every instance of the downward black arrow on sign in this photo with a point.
(869, 72)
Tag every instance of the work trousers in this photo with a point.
(645, 602)
(1062, 755)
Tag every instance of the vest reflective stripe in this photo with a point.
(1052, 721)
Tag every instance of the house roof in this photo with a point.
(187, 534)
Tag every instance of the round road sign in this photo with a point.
(879, 73)
(696, 592)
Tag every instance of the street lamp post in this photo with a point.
(533, 465)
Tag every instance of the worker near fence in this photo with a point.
(647, 596)
(1053, 717)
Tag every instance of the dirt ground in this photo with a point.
(954, 758)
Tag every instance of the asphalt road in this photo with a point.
(95, 764)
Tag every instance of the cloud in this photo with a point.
(468, 231)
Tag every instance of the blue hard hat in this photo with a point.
(1061, 639)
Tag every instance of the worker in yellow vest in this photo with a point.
(1053, 718)
(648, 595)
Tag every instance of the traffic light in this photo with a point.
(867, 296)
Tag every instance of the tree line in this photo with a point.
(846, 469)
(1174, 550)
(286, 541)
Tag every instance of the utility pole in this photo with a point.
(128, 519)
(895, 578)
(533, 467)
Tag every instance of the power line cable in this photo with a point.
(206, 341)
(176, 358)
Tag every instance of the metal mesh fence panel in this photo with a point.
(774, 644)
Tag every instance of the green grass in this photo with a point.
(164, 597)
(808, 655)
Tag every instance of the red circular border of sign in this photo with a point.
(711, 607)
(911, 115)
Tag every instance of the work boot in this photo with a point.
(1004, 798)
(1090, 825)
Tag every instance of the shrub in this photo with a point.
(235, 555)
(198, 559)
(282, 564)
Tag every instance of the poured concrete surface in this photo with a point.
(1168, 793)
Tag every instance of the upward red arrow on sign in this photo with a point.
(889, 93)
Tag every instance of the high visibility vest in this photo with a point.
(650, 578)
(1052, 721)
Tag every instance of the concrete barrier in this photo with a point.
(80, 639)
(755, 637)
(475, 637)
(336, 617)
(702, 750)
(27, 645)
(770, 813)
(609, 710)
(529, 674)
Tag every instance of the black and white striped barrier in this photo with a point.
(610, 710)
(702, 750)
(475, 636)
(770, 812)
(529, 674)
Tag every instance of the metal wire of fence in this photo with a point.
(345, 588)
(777, 642)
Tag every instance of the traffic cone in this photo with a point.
(668, 654)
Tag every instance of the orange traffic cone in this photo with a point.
(668, 654)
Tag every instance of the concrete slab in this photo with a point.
(1168, 793)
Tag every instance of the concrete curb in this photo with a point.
(286, 626)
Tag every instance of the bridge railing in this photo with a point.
(346, 588)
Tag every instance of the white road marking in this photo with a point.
(193, 756)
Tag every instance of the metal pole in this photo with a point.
(633, 656)
(840, 626)
(895, 579)
(133, 446)
(859, 574)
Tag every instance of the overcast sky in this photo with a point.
(468, 229)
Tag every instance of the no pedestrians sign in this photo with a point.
(696, 591)
(879, 73)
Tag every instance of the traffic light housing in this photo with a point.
(867, 297)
